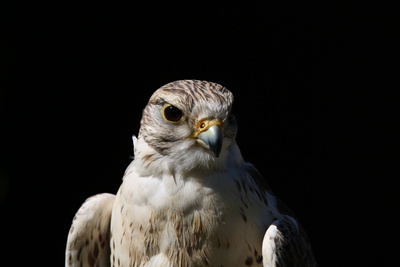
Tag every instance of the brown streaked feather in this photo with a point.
(193, 91)
(89, 236)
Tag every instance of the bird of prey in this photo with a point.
(188, 198)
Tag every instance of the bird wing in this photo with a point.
(88, 239)
(284, 244)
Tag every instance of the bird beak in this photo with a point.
(210, 135)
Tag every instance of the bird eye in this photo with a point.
(172, 113)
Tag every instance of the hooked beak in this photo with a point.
(210, 136)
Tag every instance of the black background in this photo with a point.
(312, 97)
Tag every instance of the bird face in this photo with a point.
(189, 120)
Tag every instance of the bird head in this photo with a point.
(189, 124)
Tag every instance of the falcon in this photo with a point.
(188, 198)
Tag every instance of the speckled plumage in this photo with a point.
(188, 198)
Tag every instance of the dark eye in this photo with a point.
(172, 113)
